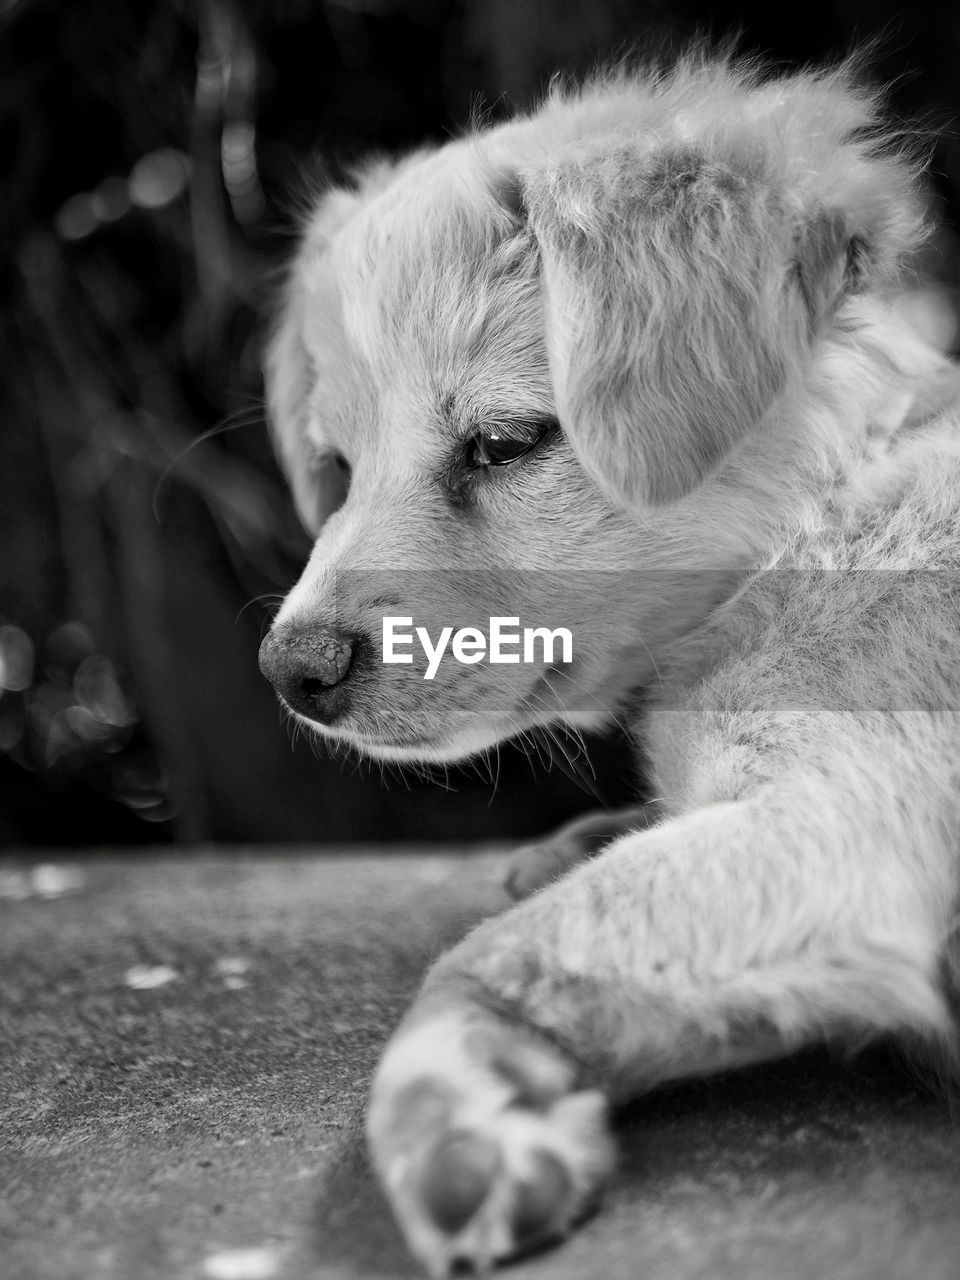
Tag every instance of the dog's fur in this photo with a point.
(699, 274)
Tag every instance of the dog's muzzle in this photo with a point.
(310, 669)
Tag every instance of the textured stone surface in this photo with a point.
(146, 1131)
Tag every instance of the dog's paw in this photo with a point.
(534, 865)
(481, 1144)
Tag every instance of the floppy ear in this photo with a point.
(317, 484)
(681, 294)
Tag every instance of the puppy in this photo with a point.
(637, 364)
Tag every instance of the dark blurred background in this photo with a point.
(154, 157)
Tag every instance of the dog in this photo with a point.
(639, 362)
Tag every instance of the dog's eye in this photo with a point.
(503, 445)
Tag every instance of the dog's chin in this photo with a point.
(474, 738)
(470, 740)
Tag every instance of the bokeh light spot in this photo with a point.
(159, 178)
(16, 659)
(77, 217)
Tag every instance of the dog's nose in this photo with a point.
(308, 669)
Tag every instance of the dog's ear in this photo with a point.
(316, 483)
(681, 295)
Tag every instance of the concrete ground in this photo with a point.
(184, 1050)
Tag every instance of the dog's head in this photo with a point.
(544, 372)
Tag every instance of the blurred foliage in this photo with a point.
(154, 153)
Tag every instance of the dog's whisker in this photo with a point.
(247, 416)
(268, 597)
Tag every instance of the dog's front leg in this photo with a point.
(735, 933)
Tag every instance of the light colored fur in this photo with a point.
(700, 275)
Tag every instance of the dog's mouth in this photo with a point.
(344, 732)
(547, 702)
(412, 746)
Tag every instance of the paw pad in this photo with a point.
(537, 1198)
(461, 1169)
